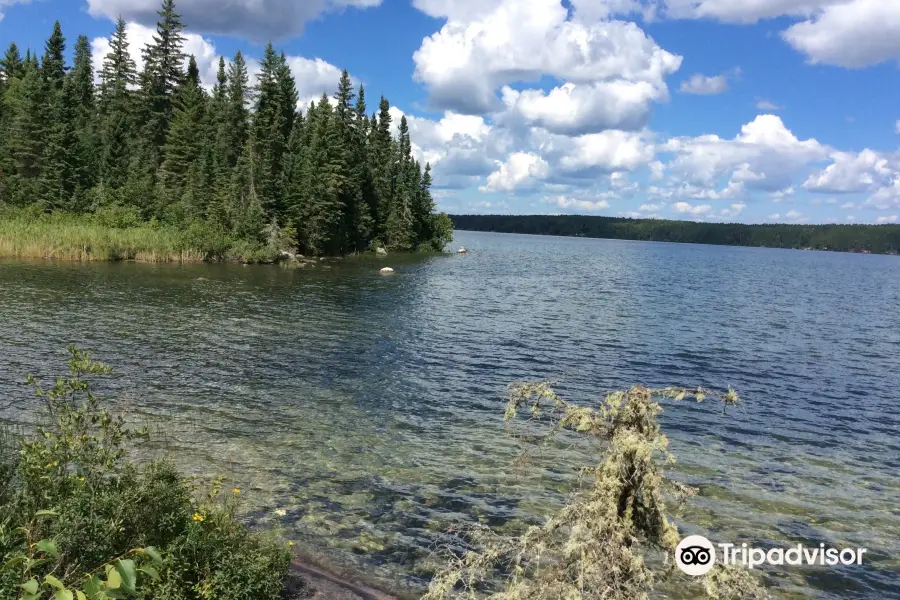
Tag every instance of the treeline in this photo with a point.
(241, 161)
(878, 239)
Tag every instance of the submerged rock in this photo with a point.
(380, 251)
(386, 271)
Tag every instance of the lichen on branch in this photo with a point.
(598, 545)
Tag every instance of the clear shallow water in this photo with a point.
(369, 408)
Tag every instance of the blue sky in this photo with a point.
(720, 110)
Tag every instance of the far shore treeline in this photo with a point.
(876, 239)
(238, 162)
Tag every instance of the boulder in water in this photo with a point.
(461, 251)
(380, 251)
(386, 271)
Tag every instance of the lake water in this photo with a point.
(369, 408)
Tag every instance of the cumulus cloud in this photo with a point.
(846, 33)
(784, 195)
(314, 75)
(851, 173)
(486, 45)
(706, 85)
(520, 170)
(693, 210)
(258, 20)
(576, 204)
(897, 126)
(765, 155)
(888, 219)
(586, 108)
(851, 33)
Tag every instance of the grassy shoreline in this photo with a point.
(111, 236)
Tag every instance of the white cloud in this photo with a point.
(650, 207)
(851, 173)
(767, 105)
(848, 205)
(585, 108)
(657, 170)
(890, 219)
(897, 126)
(573, 203)
(696, 211)
(784, 195)
(521, 169)
(851, 218)
(486, 45)
(258, 20)
(886, 197)
(849, 33)
(608, 151)
(739, 11)
(765, 155)
(794, 215)
(731, 212)
(774, 217)
(707, 85)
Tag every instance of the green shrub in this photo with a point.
(79, 519)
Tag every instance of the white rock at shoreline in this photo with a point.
(380, 252)
(461, 251)
(386, 271)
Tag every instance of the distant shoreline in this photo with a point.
(859, 239)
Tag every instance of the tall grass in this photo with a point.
(105, 237)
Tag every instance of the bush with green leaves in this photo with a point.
(80, 519)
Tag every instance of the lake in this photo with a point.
(367, 410)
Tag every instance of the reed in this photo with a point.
(84, 237)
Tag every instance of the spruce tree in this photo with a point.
(53, 65)
(237, 115)
(117, 111)
(85, 121)
(267, 136)
(162, 75)
(381, 164)
(27, 115)
(11, 63)
(184, 149)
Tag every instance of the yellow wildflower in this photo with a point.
(291, 544)
(236, 491)
(199, 517)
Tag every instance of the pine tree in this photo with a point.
(119, 72)
(85, 123)
(405, 183)
(60, 165)
(341, 141)
(381, 165)
(11, 64)
(363, 223)
(161, 77)
(53, 65)
(237, 115)
(24, 150)
(184, 149)
(267, 136)
(117, 111)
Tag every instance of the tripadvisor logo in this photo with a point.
(696, 555)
